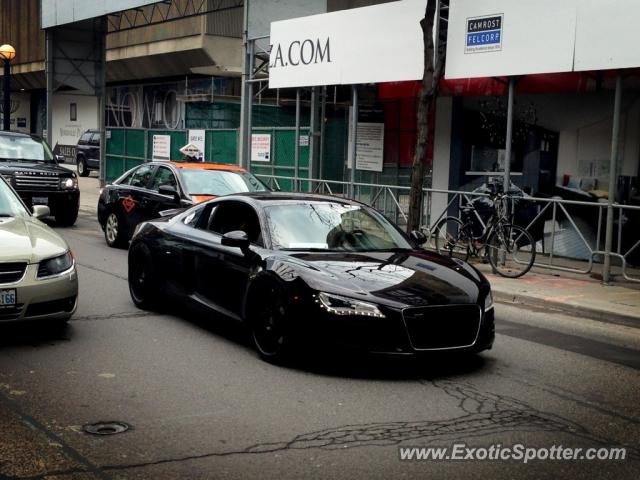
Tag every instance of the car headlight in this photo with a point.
(69, 183)
(55, 265)
(488, 302)
(339, 305)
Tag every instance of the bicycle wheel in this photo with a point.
(511, 250)
(452, 238)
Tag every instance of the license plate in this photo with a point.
(40, 201)
(7, 298)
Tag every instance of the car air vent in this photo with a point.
(12, 272)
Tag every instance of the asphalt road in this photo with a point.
(202, 405)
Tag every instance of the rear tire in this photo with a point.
(511, 250)
(114, 233)
(83, 170)
(452, 239)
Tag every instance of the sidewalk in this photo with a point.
(579, 295)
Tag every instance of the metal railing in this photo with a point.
(393, 202)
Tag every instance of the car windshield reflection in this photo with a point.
(327, 226)
(24, 148)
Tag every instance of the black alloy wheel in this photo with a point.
(142, 285)
(270, 326)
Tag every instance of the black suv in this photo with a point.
(88, 152)
(28, 164)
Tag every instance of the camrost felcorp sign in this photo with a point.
(381, 43)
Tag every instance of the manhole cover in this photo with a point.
(106, 428)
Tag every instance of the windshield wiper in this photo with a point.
(4, 215)
(311, 249)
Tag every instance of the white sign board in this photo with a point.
(161, 147)
(607, 35)
(260, 147)
(380, 43)
(370, 145)
(509, 37)
(58, 12)
(196, 138)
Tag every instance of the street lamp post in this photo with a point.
(7, 53)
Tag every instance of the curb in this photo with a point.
(516, 299)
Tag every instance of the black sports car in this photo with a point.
(299, 268)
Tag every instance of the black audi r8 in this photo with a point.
(303, 268)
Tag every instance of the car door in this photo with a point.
(155, 202)
(131, 197)
(222, 273)
(93, 151)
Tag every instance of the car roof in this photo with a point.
(283, 197)
(206, 166)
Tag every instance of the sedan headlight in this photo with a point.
(54, 266)
(69, 183)
(339, 305)
(488, 302)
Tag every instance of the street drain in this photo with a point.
(106, 428)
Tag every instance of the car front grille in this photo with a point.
(443, 326)
(35, 182)
(12, 272)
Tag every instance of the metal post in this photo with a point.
(296, 150)
(49, 79)
(507, 160)
(606, 269)
(354, 139)
(244, 136)
(6, 106)
(323, 113)
(246, 161)
(313, 124)
(101, 91)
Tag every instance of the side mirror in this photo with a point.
(41, 211)
(169, 191)
(237, 239)
(418, 237)
(60, 159)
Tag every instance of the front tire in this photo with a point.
(270, 324)
(114, 233)
(67, 219)
(143, 286)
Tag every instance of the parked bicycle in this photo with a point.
(510, 249)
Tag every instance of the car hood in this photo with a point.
(28, 239)
(407, 278)
(35, 167)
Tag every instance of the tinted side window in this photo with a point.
(85, 137)
(163, 176)
(230, 216)
(141, 176)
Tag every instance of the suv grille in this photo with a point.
(12, 272)
(36, 182)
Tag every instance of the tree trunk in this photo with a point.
(426, 105)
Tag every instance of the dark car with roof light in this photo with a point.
(29, 165)
(148, 189)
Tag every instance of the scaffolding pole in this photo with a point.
(613, 167)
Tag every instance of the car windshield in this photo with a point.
(28, 149)
(331, 226)
(10, 205)
(220, 182)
